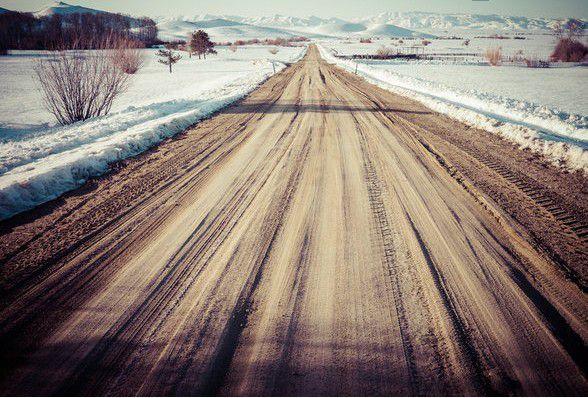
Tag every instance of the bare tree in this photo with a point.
(168, 57)
(77, 84)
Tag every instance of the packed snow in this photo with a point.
(40, 160)
(471, 96)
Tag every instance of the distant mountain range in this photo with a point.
(388, 24)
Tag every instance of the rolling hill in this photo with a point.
(61, 8)
(218, 29)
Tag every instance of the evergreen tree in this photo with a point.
(168, 57)
(200, 44)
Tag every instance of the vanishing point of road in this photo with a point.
(320, 237)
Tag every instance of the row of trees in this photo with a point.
(198, 43)
(24, 31)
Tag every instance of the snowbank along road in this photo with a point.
(322, 236)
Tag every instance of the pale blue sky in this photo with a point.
(322, 8)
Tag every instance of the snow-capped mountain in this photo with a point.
(387, 24)
(284, 26)
(218, 29)
(284, 21)
(442, 22)
(61, 8)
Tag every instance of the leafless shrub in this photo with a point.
(128, 55)
(518, 57)
(233, 48)
(426, 42)
(493, 55)
(365, 41)
(569, 47)
(569, 50)
(384, 51)
(401, 41)
(536, 63)
(77, 84)
(273, 50)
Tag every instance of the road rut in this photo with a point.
(317, 238)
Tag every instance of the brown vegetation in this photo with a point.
(79, 84)
(493, 55)
(129, 56)
(384, 51)
(278, 41)
(569, 50)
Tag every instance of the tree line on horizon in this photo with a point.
(24, 31)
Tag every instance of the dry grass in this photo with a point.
(384, 51)
(493, 55)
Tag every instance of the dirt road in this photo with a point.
(315, 238)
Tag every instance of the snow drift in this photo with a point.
(561, 138)
(38, 166)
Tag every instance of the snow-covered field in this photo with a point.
(545, 110)
(533, 46)
(40, 160)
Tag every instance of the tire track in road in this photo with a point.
(315, 238)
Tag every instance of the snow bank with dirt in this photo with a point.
(40, 160)
(562, 137)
